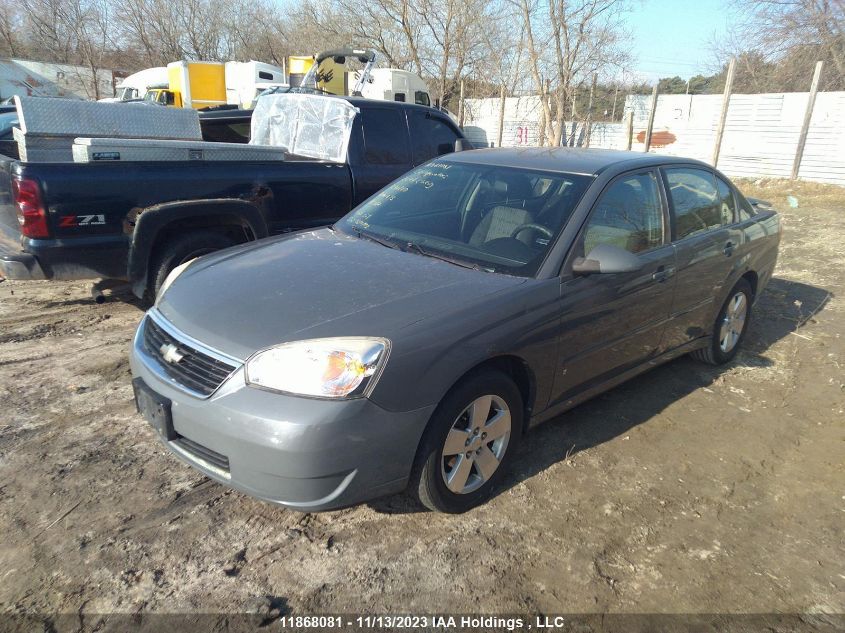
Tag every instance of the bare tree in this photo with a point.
(567, 42)
(782, 40)
(441, 40)
(11, 23)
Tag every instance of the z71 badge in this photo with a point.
(67, 221)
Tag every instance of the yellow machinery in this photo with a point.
(331, 75)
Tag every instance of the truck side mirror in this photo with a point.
(462, 145)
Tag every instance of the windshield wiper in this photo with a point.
(374, 238)
(445, 258)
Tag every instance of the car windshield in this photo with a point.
(499, 219)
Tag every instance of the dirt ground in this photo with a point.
(689, 489)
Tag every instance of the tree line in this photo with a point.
(574, 53)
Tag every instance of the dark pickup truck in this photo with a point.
(136, 221)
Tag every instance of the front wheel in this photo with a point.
(469, 442)
(183, 249)
(730, 327)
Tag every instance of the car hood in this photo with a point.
(315, 284)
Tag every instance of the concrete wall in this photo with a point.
(760, 140)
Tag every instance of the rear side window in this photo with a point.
(628, 215)
(431, 136)
(695, 201)
(727, 204)
(746, 211)
(385, 137)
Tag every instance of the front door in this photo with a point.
(614, 321)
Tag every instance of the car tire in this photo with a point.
(180, 250)
(730, 326)
(475, 414)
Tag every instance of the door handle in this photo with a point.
(729, 249)
(663, 273)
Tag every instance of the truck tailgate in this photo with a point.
(9, 226)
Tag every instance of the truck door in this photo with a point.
(379, 150)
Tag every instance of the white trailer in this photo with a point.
(393, 84)
(245, 79)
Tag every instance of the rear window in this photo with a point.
(225, 131)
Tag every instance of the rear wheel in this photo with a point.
(468, 444)
(730, 327)
(179, 250)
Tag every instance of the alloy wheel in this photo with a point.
(734, 322)
(476, 444)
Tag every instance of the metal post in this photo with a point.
(461, 106)
(726, 101)
(501, 115)
(615, 94)
(589, 124)
(808, 114)
(629, 129)
(651, 118)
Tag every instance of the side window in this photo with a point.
(746, 210)
(695, 200)
(431, 137)
(385, 137)
(727, 205)
(422, 98)
(628, 215)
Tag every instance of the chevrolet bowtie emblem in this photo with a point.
(170, 353)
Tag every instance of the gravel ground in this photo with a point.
(689, 489)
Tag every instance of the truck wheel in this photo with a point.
(469, 442)
(730, 327)
(182, 249)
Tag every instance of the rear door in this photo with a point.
(612, 322)
(708, 246)
(379, 150)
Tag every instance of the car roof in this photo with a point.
(572, 160)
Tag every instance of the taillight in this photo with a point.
(31, 212)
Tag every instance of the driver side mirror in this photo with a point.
(607, 258)
(462, 145)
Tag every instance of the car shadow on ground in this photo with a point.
(782, 309)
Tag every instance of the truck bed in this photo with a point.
(87, 202)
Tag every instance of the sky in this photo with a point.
(673, 37)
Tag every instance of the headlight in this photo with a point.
(321, 368)
(171, 277)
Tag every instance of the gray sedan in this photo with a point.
(412, 344)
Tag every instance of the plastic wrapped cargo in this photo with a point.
(309, 125)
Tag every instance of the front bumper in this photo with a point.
(304, 453)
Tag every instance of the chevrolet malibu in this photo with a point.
(412, 344)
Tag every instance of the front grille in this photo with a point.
(195, 370)
(201, 452)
